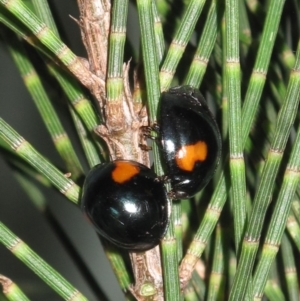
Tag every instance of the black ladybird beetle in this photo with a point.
(191, 141)
(126, 203)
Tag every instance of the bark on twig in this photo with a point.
(121, 130)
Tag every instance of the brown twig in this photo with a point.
(6, 284)
(123, 118)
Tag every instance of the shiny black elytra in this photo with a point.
(126, 203)
(191, 141)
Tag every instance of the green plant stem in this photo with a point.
(177, 215)
(233, 80)
(150, 61)
(89, 147)
(225, 115)
(199, 286)
(190, 294)
(115, 258)
(146, 21)
(115, 86)
(216, 277)
(278, 221)
(38, 266)
(82, 105)
(284, 122)
(31, 156)
(34, 85)
(296, 207)
(294, 230)
(244, 31)
(73, 90)
(11, 291)
(204, 49)
(258, 76)
(22, 165)
(273, 290)
(170, 263)
(180, 40)
(290, 269)
(71, 87)
(207, 226)
(249, 110)
(232, 267)
(159, 36)
(43, 11)
(49, 39)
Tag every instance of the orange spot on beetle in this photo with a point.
(124, 171)
(188, 155)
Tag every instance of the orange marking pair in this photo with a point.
(188, 155)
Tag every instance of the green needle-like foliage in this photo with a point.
(47, 111)
(116, 54)
(233, 90)
(284, 122)
(30, 258)
(31, 156)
